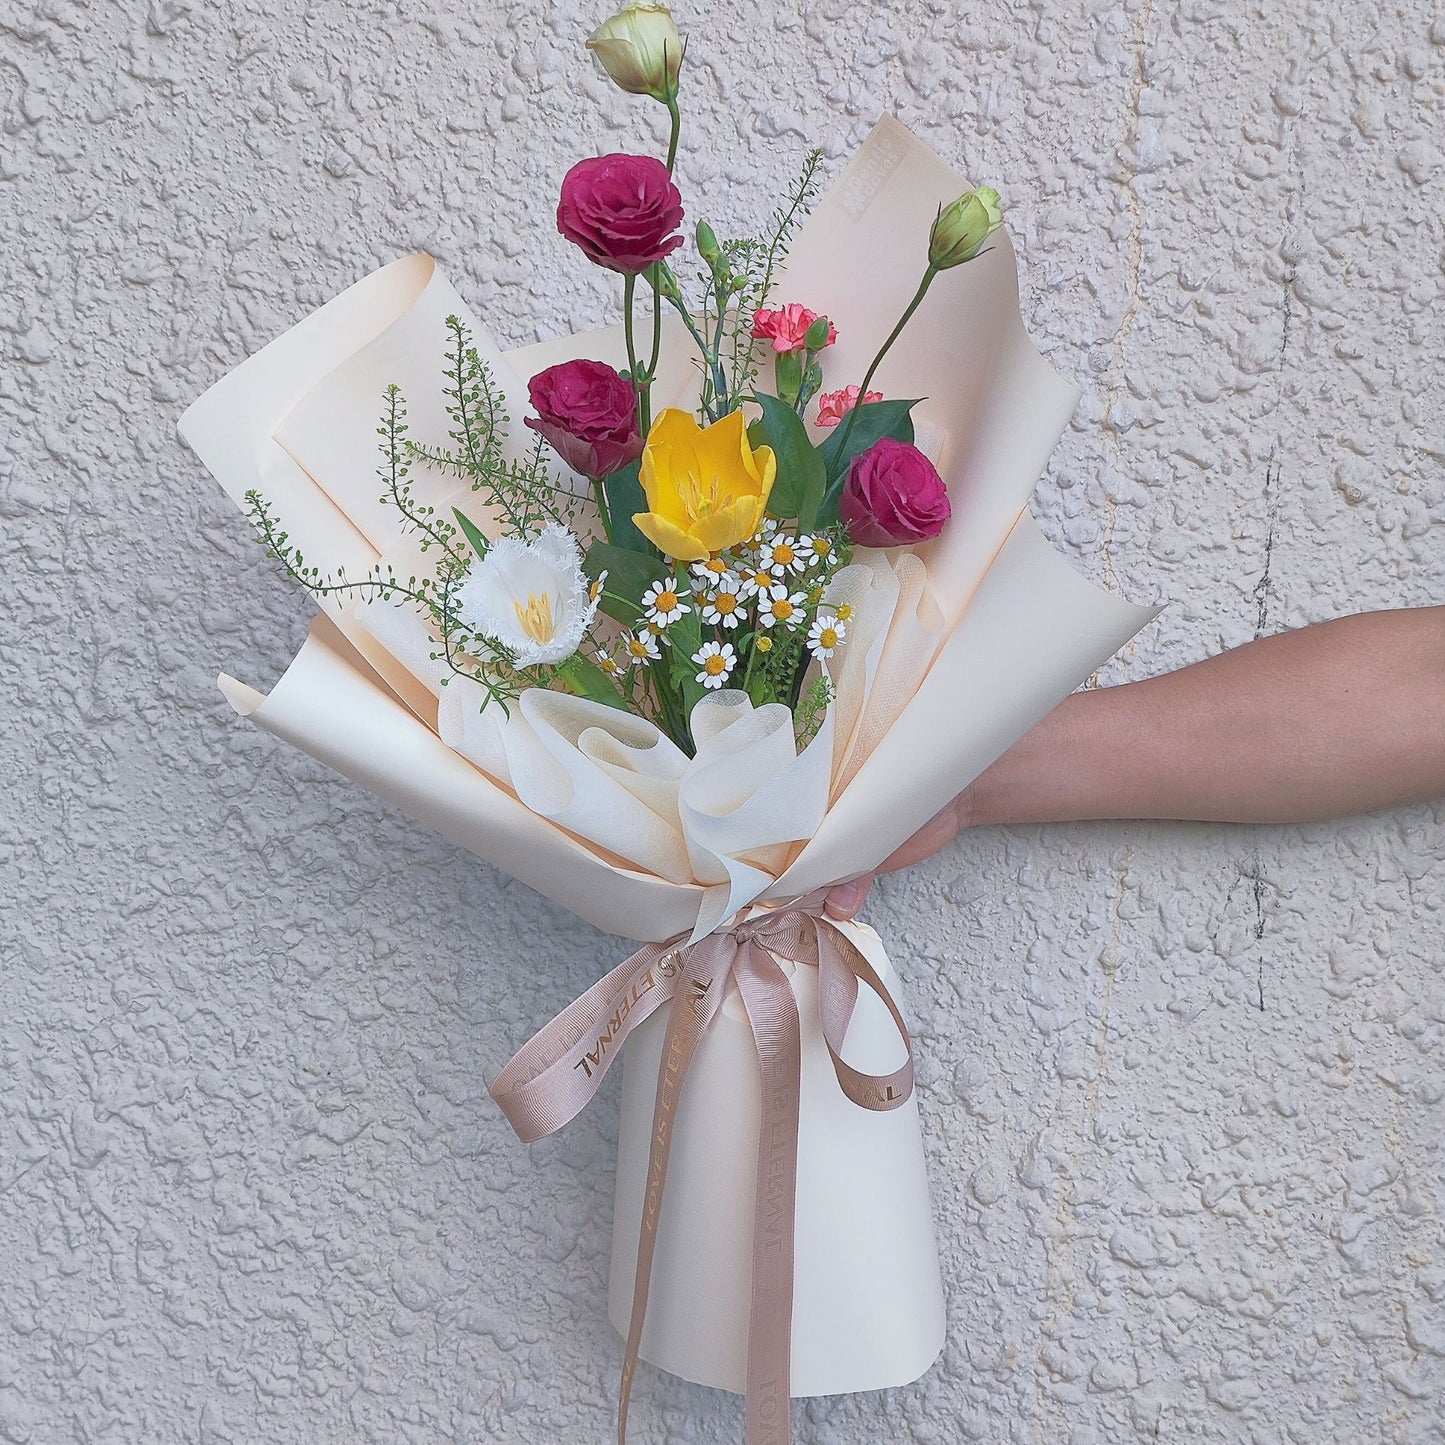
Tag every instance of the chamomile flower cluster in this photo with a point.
(748, 616)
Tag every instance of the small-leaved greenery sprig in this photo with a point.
(737, 280)
(523, 493)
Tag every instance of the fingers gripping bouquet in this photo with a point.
(697, 641)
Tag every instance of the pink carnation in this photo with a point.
(833, 406)
(787, 329)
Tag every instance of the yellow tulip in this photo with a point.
(706, 488)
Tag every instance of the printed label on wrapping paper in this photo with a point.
(868, 174)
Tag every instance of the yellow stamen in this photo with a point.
(536, 617)
(782, 609)
(666, 601)
(715, 664)
(783, 555)
(698, 503)
(828, 637)
(844, 612)
(726, 603)
(764, 644)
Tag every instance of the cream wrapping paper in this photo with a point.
(953, 655)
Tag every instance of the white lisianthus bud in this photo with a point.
(962, 227)
(640, 49)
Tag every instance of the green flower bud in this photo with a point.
(707, 246)
(817, 335)
(788, 375)
(962, 227)
(640, 49)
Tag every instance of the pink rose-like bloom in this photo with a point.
(787, 328)
(833, 406)
(621, 210)
(588, 412)
(893, 496)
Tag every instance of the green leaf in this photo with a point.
(684, 638)
(625, 498)
(471, 532)
(798, 490)
(871, 422)
(629, 575)
(586, 679)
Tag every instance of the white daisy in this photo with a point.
(640, 647)
(825, 636)
(724, 608)
(715, 661)
(780, 554)
(754, 582)
(608, 663)
(778, 605)
(532, 597)
(710, 573)
(817, 550)
(662, 602)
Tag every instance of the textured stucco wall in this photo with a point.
(1182, 1086)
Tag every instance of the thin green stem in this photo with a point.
(893, 336)
(639, 385)
(600, 494)
(653, 275)
(709, 360)
(720, 381)
(676, 115)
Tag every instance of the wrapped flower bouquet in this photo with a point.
(748, 595)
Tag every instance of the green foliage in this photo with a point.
(736, 280)
(870, 422)
(521, 492)
(801, 480)
(812, 708)
(625, 499)
(629, 575)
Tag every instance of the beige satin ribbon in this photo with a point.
(554, 1076)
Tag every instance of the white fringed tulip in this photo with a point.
(532, 597)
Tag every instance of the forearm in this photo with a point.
(1341, 718)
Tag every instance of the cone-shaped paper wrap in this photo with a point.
(952, 655)
(868, 1302)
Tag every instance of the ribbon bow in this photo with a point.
(554, 1076)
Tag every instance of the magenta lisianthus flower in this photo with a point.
(893, 496)
(787, 327)
(588, 412)
(622, 210)
(833, 406)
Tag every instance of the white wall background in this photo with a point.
(1182, 1086)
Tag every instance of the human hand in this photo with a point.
(847, 899)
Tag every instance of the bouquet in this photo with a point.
(700, 639)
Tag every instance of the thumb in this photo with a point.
(847, 898)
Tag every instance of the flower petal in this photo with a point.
(669, 539)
